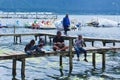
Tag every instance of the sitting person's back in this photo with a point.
(30, 47)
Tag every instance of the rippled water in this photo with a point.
(47, 68)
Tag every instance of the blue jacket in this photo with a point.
(66, 21)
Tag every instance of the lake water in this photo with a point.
(47, 68)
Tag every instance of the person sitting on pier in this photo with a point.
(30, 47)
(40, 45)
(58, 42)
(78, 46)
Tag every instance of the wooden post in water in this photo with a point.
(60, 61)
(20, 38)
(92, 43)
(16, 39)
(104, 43)
(14, 67)
(94, 60)
(113, 43)
(23, 67)
(70, 56)
(103, 60)
(45, 39)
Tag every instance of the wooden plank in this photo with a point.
(2, 54)
(115, 47)
(66, 37)
(19, 54)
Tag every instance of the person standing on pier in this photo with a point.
(66, 24)
(58, 42)
(78, 46)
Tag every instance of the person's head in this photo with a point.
(32, 42)
(66, 15)
(79, 36)
(58, 33)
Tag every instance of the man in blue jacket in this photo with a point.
(66, 24)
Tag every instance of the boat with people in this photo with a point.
(102, 22)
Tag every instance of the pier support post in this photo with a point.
(45, 39)
(60, 64)
(14, 67)
(20, 38)
(14, 39)
(60, 61)
(70, 57)
(92, 43)
(103, 60)
(23, 68)
(94, 60)
(113, 43)
(104, 43)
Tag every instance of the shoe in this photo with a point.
(54, 49)
(85, 60)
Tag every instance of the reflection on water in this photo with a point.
(47, 68)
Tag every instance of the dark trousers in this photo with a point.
(66, 29)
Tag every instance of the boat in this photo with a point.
(40, 24)
(102, 22)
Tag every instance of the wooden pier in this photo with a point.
(21, 56)
(17, 36)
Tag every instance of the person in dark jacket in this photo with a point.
(66, 24)
(58, 42)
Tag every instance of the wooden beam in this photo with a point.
(70, 56)
(94, 60)
(60, 61)
(14, 67)
(23, 68)
(103, 60)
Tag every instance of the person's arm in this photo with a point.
(26, 48)
(54, 41)
(83, 43)
(68, 22)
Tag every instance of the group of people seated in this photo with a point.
(58, 45)
(30, 48)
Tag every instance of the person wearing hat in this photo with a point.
(78, 46)
(58, 42)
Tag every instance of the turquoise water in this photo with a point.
(47, 68)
